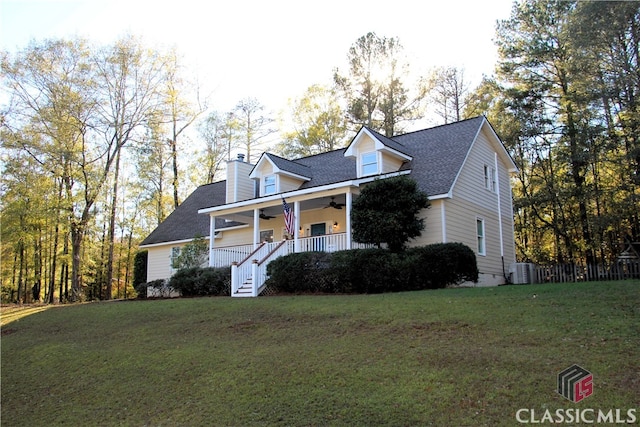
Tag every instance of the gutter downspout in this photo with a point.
(256, 228)
(212, 237)
(504, 274)
(349, 200)
(296, 220)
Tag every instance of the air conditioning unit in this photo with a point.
(522, 272)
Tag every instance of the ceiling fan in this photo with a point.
(334, 205)
(265, 216)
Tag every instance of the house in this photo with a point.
(463, 167)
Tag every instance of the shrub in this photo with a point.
(198, 281)
(160, 285)
(304, 272)
(140, 269)
(442, 264)
(374, 270)
(377, 218)
(365, 271)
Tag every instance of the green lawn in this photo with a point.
(453, 357)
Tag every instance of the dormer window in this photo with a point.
(369, 163)
(269, 185)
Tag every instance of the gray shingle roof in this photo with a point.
(395, 145)
(184, 222)
(290, 166)
(438, 155)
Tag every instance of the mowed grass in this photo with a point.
(463, 357)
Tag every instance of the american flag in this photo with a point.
(289, 217)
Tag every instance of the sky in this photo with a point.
(271, 50)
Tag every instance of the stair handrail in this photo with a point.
(248, 257)
(274, 250)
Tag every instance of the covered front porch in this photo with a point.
(254, 232)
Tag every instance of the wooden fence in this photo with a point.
(629, 269)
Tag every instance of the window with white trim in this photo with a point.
(269, 185)
(480, 236)
(266, 236)
(175, 253)
(369, 163)
(490, 178)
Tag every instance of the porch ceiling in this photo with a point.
(320, 201)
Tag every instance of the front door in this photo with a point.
(319, 229)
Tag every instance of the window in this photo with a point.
(369, 163)
(269, 185)
(175, 253)
(266, 236)
(490, 178)
(480, 235)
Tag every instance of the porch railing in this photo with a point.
(225, 256)
(250, 266)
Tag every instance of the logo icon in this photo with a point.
(575, 383)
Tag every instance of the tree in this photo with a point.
(377, 218)
(220, 134)
(54, 97)
(318, 123)
(130, 80)
(180, 111)
(193, 254)
(568, 76)
(374, 90)
(448, 91)
(538, 56)
(254, 126)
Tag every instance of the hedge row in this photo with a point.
(373, 270)
(198, 281)
(355, 271)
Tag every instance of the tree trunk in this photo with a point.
(112, 226)
(174, 158)
(77, 238)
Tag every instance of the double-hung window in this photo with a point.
(175, 254)
(369, 163)
(269, 185)
(490, 178)
(480, 236)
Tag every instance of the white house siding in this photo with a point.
(471, 200)
(239, 186)
(288, 183)
(365, 145)
(432, 232)
(159, 262)
(390, 164)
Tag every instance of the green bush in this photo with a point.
(366, 271)
(304, 272)
(442, 264)
(198, 281)
(374, 270)
(140, 269)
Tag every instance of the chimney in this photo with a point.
(239, 185)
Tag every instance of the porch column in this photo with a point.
(256, 228)
(296, 231)
(212, 237)
(349, 199)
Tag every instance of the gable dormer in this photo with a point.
(376, 154)
(275, 175)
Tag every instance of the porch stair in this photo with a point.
(248, 277)
(246, 289)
